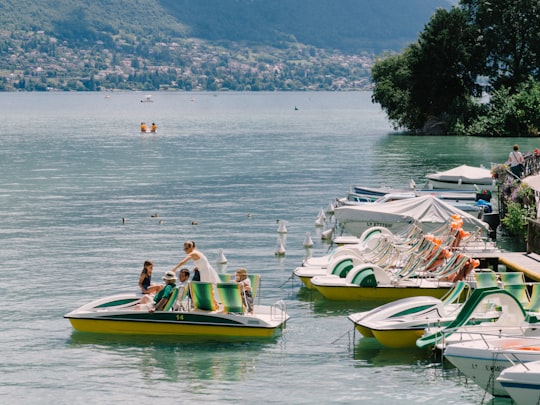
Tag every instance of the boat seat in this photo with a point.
(519, 291)
(456, 294)
(202, 295)
(230, 297)
(512, 277)
(179, 304)
(486, 279)
(534, 302)
(171, 300)
(254, 278)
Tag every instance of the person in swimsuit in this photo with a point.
(145, 280)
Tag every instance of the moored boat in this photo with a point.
(429, 211)
(484, 359)
(522, 382)
(463, 177)
(400, 323)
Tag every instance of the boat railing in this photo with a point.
(278, 311)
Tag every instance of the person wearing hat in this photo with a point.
(163, 295)
(244, 284)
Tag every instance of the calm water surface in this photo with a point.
(73, 165)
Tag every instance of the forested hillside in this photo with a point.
(201, 44)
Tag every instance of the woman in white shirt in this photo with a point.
(515, 159)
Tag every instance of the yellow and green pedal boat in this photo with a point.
(200, 315)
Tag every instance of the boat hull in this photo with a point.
(118, 315)
(307, 281)
(398, 339)
(179, 328)
(485, 364)
(522, 382)
(379, 293)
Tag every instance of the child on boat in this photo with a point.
(145, 279)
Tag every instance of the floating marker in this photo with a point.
(221, 257)
(322, 214)
(326, 235)
(280, 250)
(330, 208)
(308, 242)
(319, 221)
(282, 228)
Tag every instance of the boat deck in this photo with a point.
(527, 263)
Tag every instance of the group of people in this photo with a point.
(157, 295)
(144, 128)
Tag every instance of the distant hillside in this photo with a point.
(349, 25)
(201, 44)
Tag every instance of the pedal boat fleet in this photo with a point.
(199, 316)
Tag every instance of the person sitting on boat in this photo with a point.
(143, 127)
(244, 284)
(161, 298)
(183, 277)
(158, 301)
(207, 272)
(145, 280)
(153, 127)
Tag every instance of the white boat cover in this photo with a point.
(427, 210)
(467, 174)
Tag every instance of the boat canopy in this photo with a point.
(427, 209)
(464, 174)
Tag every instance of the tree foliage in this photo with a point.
(480, 47)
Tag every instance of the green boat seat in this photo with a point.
(254, 278)
(202, 295)
(171, 300)
(512, 277)
(486, 279)
(230, 297)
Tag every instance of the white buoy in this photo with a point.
(319, 221)
(280, 250)
(308, 242)
(282, 228)
(327, 235)
(330, 208)
(221, 257)
(322, 214)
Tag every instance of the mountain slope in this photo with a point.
(201, 44)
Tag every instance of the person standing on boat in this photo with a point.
(515, 159)
(153, 127)
(207, 272)
(145, 280)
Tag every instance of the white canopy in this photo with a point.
(534, 183)
(430, 211)
(467, 174)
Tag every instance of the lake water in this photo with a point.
(73, 166)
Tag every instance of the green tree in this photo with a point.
(508, 31)
(434, 77)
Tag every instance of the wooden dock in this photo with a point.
(527, 263)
